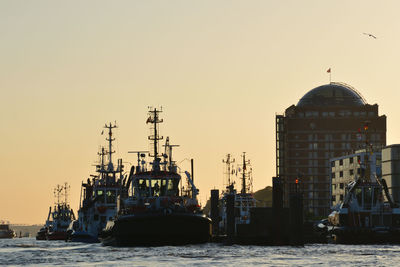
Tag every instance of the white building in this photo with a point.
(391, 170)
(346, 168)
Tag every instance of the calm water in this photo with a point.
(28, 251)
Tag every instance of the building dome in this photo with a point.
(333, 94)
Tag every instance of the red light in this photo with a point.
(297, 181)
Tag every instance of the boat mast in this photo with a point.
(244, 174)
(110, 140)
(168, 153)
(154, 119)
(66, 188)
(228, 163)
(57, 193)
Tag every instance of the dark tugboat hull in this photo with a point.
(61, 235)
(41, 236)
(158, 230)
(82, 237)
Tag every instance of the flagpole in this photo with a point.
(330, 75)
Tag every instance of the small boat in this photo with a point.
(243, 202)
(98, 196)
(156, 212)
(59, 218)
(6, 231)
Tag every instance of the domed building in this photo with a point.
(324, 124)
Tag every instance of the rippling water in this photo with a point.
(28, 251)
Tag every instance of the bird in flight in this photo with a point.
(370, 35)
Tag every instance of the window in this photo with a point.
(351, 172)
(341, 174)
(332, 164)
(351, 160)
(341, 162)
(341, 197)
(328, 137)
(100, 196)
(111, 196)
(333, 175)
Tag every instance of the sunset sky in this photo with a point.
(221, 70)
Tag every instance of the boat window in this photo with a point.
(172, 187)
(155, 189)
(367, 198)
(163, 187)
(100, 196)
(358, 192)
(143, 186)
(110, 196)
(377, 195)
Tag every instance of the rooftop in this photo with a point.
(333, 94)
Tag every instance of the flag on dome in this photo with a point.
(329, 70)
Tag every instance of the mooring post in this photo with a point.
(296, 219)
(214, 213)
(230, 217)
(277, 208)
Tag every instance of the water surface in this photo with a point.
(28, 251)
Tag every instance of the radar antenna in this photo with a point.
(110, 140)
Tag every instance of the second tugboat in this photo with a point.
(156, 213)
(98, 196)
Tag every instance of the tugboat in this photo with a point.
(156, 213)
(364, 217)
(242, 202)
(98, 196)
(5, 231)
(59, 219)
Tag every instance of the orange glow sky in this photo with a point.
(220, 69)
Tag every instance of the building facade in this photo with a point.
(348, 168)
(391, 170)
(324, 124)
